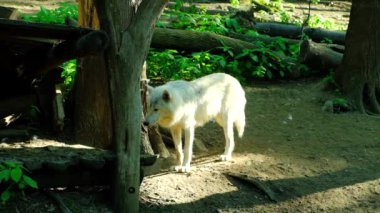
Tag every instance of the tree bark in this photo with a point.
(92, 110)
(292, 31)
(129, 25)
(319, 57)
(146, 147)
(359, 74)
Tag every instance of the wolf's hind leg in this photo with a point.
(229, 138)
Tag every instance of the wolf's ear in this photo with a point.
(166, 96)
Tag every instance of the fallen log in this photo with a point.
(261, 38)
(318, 56)
(196, 41)
(205, 41)
(268, 40)
(292, 31)
(54, 164)
(40, 30)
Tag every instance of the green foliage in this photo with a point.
(315, 1)
(274, 4)
(288, 18)
(55, 16)
(320, 21)
(340, 101)
(172, 65)
(197, 22)
(234, 3)
(261, 62)
(68, 73)
(13, 180)
(328, 80)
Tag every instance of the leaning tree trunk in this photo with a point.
(92, 110)
(129, 25)
(359, 74)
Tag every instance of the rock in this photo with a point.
(199, 146)
(328, 106)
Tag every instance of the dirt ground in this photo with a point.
(314, 161)
(307, 159)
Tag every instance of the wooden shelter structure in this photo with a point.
(31, 54)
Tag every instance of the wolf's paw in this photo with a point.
(182, 169)
(225, 157)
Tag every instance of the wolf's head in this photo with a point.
(159, 107)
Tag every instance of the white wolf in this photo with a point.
(185, 105)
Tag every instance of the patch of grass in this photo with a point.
(55, 16)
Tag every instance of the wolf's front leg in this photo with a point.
(189, 140)
(177, 139)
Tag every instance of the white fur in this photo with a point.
(183, 105)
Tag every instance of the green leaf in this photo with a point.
(269, 74)
(222, 63)
(282, 74)
(241, 55)
(254, 58)
(16, 174)
(5, 195)
(10, 164)
(32, 183)
(4, 175)
(21, 185)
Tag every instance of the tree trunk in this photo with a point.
(359, 74)
(92, 110)
(146, 147)
(129, 25)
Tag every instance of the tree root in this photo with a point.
(366, 99)
(370, 99)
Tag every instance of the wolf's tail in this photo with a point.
(240, 123)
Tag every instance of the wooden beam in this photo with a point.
(40, 30)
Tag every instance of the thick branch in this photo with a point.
(89, 44)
